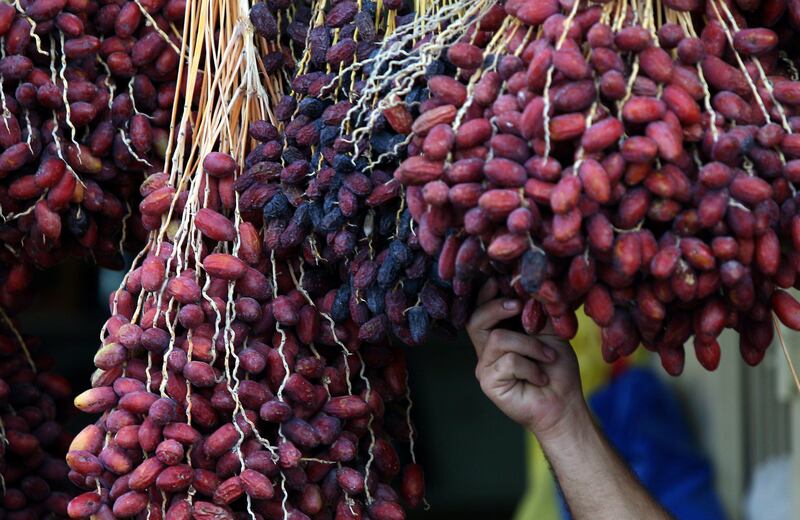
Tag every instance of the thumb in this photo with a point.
(487, 316)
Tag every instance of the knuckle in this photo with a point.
(496, 337)
(502, 364)
(508, 361)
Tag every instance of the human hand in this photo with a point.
(532, 379)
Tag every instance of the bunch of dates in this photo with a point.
(226, 390)
(647, 173)
(350, 224)
(87, 92)
(337, 212)
(347, 32)
(34, 402)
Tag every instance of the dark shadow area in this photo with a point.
(473, 455)
(66, 315)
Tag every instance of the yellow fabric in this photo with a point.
(539, 501)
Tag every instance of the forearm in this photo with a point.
(596, 483)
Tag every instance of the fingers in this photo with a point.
(486, 317)
(502, 342)
(512, 366)
(487, 292)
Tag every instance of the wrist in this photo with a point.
(574, 423)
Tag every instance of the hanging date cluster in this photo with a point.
(227, 389)
(622, 159)
(247, 393)
(339, 209)
(87, 95)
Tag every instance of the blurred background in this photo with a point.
(743, 423)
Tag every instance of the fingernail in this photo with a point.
(511, 305)
(549, 353)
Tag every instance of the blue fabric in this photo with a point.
(645, 424)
